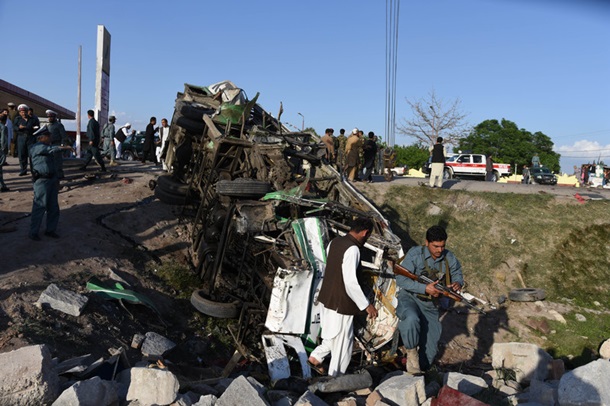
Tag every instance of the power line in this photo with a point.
(391, 47)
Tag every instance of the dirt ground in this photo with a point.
(112, 222)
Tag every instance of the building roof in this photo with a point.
(11, 93)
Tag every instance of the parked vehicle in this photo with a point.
(133, 146)
(542, 175)
(473, 165)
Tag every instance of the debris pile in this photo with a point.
(526, 375)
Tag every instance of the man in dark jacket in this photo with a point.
(369, 153)
(148, 149)
(342, 298)
(23, 126)
(93, 134)
(437, 166)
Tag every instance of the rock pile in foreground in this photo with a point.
(522, 374)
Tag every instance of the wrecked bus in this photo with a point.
(262, 205)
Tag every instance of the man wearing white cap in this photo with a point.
(120, 137)
(58, 137)
(24, 127)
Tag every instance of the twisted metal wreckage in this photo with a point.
(266, 205)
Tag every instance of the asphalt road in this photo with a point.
(480, 186)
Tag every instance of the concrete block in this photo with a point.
(403, 390)
(156, 345)
(28, 377)
(586, 385)
(150, 386)
(243, 391)
(62, 300)
(528, 361)
(468, 384)
(92, 392)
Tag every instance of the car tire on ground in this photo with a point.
(128, 156)
(170, 198)
(526, 295)
(215, 309)
(171, 185)
(243, 187)
(447, 174)
(495, 176)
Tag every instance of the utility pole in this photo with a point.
(302, 122)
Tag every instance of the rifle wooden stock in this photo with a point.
(445, 290)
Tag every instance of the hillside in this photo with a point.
(550, 242)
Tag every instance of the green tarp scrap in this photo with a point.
(107, 291)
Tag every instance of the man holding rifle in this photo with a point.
(419, 324)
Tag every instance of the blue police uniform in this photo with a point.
(58, 135)
(419, 323)
(46, 189)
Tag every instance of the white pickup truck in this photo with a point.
(472, 165)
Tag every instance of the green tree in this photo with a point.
(414, 156)
(510, 144)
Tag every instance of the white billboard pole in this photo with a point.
(102, 75)
(78, 101)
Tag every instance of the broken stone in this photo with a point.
(243, 391)
(350, 401)
(543, 392)
(310, 399)
(150, 386)
(27, 376)
(540, 325)
(468, 384)
(557, 369)
(74, 365)
(604, 350)
(62, 300)
(528, 361)
(580, 317)
(404, 389)
(137, 340)
(156, 345)
(586, 385)
(344, 383)
(557, 316)
(92, 392)
(207, 400)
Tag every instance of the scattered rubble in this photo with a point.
(63, 300)
(29, 378)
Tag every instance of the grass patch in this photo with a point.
(179, 278)
(577, 342)
(555, 243)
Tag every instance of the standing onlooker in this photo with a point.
(58, 136)
(437, 167)
(93, 134)
(352, 152)
(419, 324)
(46, 186)
(329, 143)
(536, 161)
(342, 298)
(340, 143)
(526, 175)
(164, 140)
(489, 168)
(120, 137)
(24, 126)
(3, 149)
(370, 152)
(148, 149)
(108, 135)
(12, 113)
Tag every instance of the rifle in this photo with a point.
(445, 291)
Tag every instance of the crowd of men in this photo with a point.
(40, 150)
(354, 155)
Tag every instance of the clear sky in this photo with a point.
(543, 64)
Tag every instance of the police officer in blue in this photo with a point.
(417, 310)
(58, 137)
(46, 185)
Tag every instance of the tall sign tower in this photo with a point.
(102, 75)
